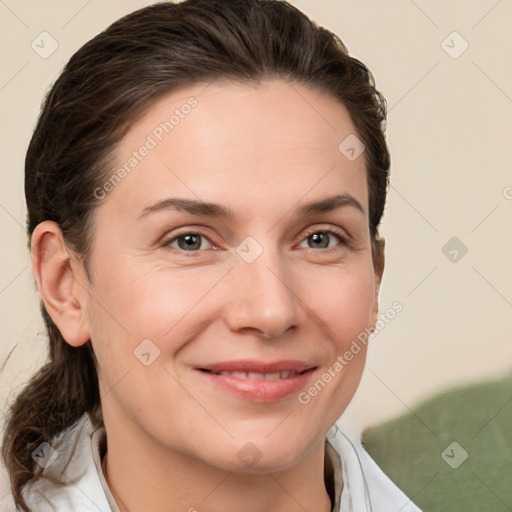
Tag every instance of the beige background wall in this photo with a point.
(450, 133)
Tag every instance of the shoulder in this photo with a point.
(70, 478)
(365, 486)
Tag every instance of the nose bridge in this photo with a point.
(264, 299)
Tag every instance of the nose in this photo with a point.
(264, 299)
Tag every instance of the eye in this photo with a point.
(188, 242)
(321, 239)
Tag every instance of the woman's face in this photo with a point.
(220, 294)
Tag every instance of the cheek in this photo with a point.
(342, 298)
(172, 304)
(162, 305)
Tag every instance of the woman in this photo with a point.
(204, 189)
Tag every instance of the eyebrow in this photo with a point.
(191, 206)
(214, 210)
(331, 203)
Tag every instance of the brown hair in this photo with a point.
(104, 88)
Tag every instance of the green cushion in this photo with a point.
(416, 450)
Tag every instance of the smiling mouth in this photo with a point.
(283, 374)
(259, 381)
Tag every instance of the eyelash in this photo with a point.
(343, 238)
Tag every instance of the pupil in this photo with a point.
(318, 238)
(190, 242)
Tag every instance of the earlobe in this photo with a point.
(60, 282)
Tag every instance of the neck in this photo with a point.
(142, 479)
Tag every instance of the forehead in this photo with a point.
(231, 141)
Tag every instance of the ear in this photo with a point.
(61, 281)
(378, 266)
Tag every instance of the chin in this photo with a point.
(264, 453)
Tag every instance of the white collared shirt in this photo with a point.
(359, 484)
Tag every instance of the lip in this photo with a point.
(258, 390)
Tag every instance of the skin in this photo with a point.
(261, 151)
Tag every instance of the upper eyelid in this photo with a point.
(340, 232)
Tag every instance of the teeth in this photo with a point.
(284, 374)
(255, 376)
(238, 375)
